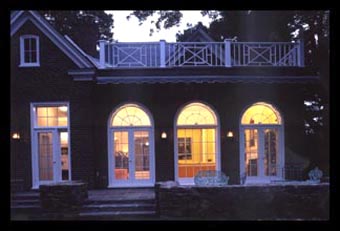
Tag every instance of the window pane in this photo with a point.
(131, 115)
(27, 57)
(64, 155)
(26, 44)
(261, 113)
(121, 155)
(45, 149)
(251, 152)
(42, 111)
(52, 116)
(142, 155)
(33, 56)
(52, 121)
(42, 122)
(196, 114)
(196, 151)
(33, 42)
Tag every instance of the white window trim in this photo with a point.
(22, 51)
(34, 128)
(260, 128)
(190, 181)
(110, 129)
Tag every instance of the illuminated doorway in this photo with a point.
(261, 144)
(51, 160)
(131, 147)
(196, 142)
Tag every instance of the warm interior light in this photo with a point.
(163, 135)
(63, 108)
(230, 134)
(16, 136)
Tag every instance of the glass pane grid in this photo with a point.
(45, 147)
(131, 116)
(199, 145)
(251, 152)
(142, 155)
(271, 152)
(121, 155)
(30, 50)
(52, 116)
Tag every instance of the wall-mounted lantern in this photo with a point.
(230, 134)
(16, 136)
(163, 135)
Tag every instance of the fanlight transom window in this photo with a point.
(196, 114)
(261, 113)
(130, 115)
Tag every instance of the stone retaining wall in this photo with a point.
(63, 198)
(239, 202)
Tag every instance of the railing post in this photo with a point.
(301, 53)
(162, 53)
(102, 53)
(227, 52)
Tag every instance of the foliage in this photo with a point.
(84, 27)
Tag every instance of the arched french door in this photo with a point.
(131, 147)
(261, 144)
(196, 142)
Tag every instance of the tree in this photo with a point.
(84, 27)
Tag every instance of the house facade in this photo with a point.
(141, 113)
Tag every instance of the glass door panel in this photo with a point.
(45, 156)
(141, 155)
(121, 155)
(195, 151)
(270, 152)
(251, 151)
(64, 151)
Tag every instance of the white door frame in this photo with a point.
(111, 161)
(57, 169)
(281, 153)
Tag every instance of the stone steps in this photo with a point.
(118, 215)
(121, 207)
(24, 205)
(25, 196)
(18, 202)
(118, 209)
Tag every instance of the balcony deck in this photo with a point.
(200, 54)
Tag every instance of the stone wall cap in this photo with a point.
(66, 183)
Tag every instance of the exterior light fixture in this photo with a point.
(16, 136)
(230, 134)
(163, 135)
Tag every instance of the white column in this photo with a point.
(227, 52)
(301, 53)
(162, 53)
(102, 44)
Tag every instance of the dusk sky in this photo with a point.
(130, 31)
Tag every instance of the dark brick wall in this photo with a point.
(48, 83)
(228, 101)
(273, 202)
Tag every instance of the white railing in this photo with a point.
(265, 54)
(215, 54)
(195, 54)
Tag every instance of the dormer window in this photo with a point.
(29, 51)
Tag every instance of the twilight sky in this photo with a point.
(130, 31)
